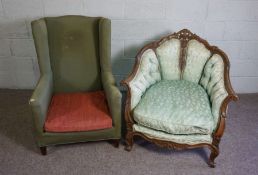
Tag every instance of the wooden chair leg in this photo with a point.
(43, 150)
(116, 142)
(213, 155)
(129, 141)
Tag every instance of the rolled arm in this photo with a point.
(113, 95)
(40, 100)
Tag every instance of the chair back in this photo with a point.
(73, 43)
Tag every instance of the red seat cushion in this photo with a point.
(70, 112)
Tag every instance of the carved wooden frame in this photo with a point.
(184, 36)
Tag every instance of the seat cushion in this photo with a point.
(70, 112)
(190, 139)
(176, 107)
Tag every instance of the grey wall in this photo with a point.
(230, 24)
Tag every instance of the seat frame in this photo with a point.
(184, 36)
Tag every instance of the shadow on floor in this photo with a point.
(15, 120)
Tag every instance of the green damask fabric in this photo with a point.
(175, 107)
(213, 81)
(196, 57)
(168, 54)
(147, 74)
(189, 139)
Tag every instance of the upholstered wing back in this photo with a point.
(147, 74)
(185, 56)
(73, 48)
(213, 81)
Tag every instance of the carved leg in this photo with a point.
(213, 155)
(43, 150)
(129, 141)
(116, 142)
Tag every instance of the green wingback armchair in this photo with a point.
(177, 94)
(74, 58)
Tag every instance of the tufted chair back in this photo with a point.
(185, 56)
(73, 48)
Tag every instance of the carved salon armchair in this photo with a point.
(76, 99)
(178, 93)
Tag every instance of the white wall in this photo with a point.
(230, 24)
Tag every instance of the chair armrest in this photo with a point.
(40, 100)
(215, 79)
(114, 97)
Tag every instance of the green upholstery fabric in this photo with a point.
(182, 107)
(43, 92)
(196, 57)
(168, 54)
(108, 81)
(213, 81)
(74, 55)
(147, 74)
(175, 107)
(189, 139)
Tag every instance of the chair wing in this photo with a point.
(108, 81)
(42, 94)
(144, 75)
(213, 81)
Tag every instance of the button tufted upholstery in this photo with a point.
(164, 65)
(213, 81)
(200, 68)
(189, 103)
(178, 94)
(200, 84)
(147, 74)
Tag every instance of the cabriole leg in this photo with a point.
(213, 155)
(129, 141)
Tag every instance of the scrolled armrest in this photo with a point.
(40, 100)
